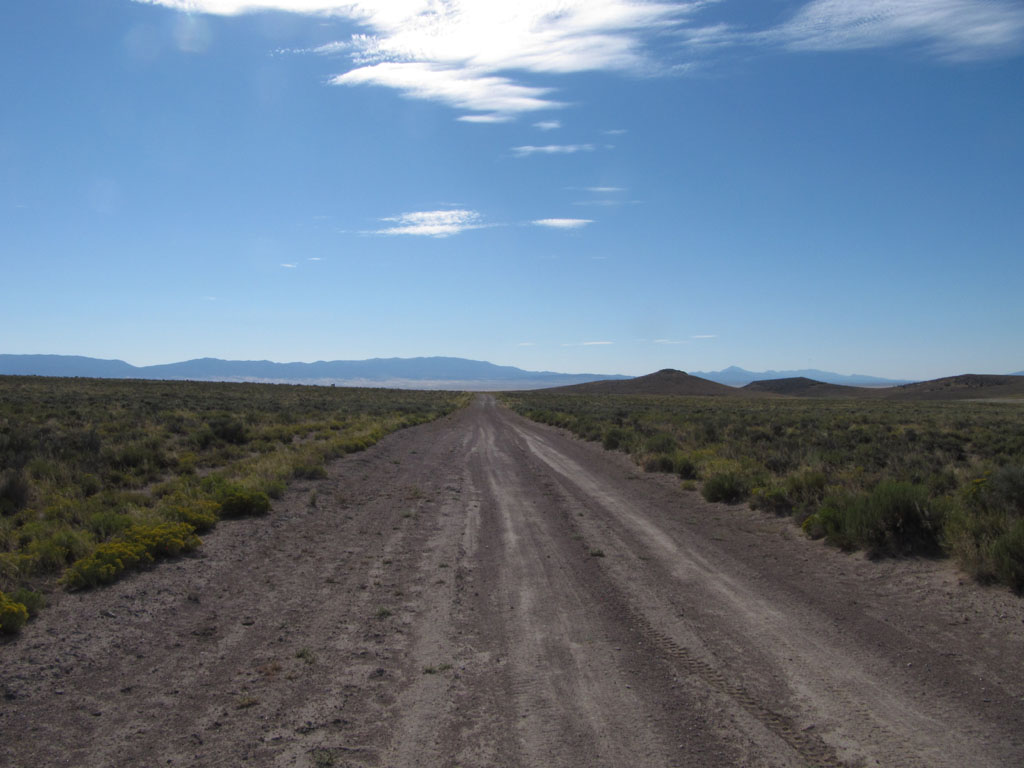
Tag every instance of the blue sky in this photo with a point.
(582, 186)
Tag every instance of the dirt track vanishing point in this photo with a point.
(485, 591)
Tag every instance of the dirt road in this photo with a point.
(484, 591)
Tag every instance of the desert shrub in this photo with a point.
(614, 439)
(729, 486)
(13, 615)
(33, 601)
(660, 442)
(1008, 556)
(236, 501)
(14, 491)
(107, 523)
(969, 537)
(895, 518)
(201, 514)
(686, 466)
(1005, 489)
(229, 429)
(139, 545)
(660, 462)
(309, 468)
(772, 498)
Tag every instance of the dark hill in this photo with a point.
(969, 386)
(801, 386)
(664, 382)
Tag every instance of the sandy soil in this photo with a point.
(484, 591)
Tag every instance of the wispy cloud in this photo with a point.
(669, 341)
(432, 223)
(553, 149)
(290, 266)
(616, 132)
(705, 336)
(956, 29)
(526, 344)
(604, 190)
(484, 118)
(314, 258)
(454, 51)
(548, 125)
(588, 344)
(563, 223)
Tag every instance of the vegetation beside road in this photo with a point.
(101, 476)
(893, 478)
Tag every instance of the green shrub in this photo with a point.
(236, 501)
(309, 469)
(228, 429)
(660, 442)
(13, 615)
(1008, 557)
(201, 514)
(614, 439)
(729, 486)
(34, 602)
(895, 518)
(686, 467)
(14, 491)
(772, 499)
(661, 462)
(139, 545)
(107, 523)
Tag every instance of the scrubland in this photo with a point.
(101, 476)
(892, 478)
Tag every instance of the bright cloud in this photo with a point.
(453, 51)
(669, 341)
(553, 149)
(605, 190)
(960, 29)
(290, 266)
(548, 125)
(484, 118)
(432, 223)
(597, 343)
(705, 336)
(563, 223)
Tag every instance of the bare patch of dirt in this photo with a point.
(485, 591)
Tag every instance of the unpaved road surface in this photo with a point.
(484, 591)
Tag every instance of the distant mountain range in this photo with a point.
(739, 377)
(398, 372)
(413, 373)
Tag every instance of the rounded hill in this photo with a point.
(667, 381)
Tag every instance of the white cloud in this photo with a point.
(314, 258)
(492, 118)
(604, 190)
(563, 223)
(432, 223)
(958, 29)
(548, 125)
(290, 266)
(705, 336)
(526, 344)
(597, 343)
(669, 341)
(452, 51)
(615, 132)
(553, 149)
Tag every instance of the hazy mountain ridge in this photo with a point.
(735, 376)
(398, 372)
